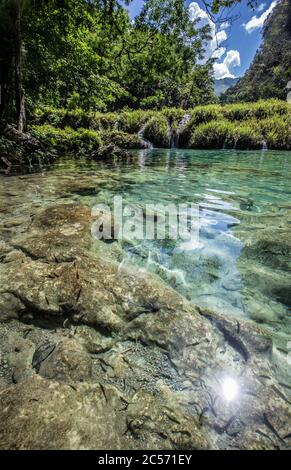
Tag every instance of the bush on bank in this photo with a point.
(81, 141)
(157, 131)
(239, 125)
(124, 140)
(225, 134)
(276, 131)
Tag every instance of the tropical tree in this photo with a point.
(18, 44)
(89, 54)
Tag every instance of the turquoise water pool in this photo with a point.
(240, 265)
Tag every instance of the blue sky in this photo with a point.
(237, 44)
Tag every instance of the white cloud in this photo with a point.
(218, 53)
(214, 48)
(261, 7)
(257, 22)
(224, 69)
(225, 25)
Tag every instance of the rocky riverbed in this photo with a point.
(96, 356)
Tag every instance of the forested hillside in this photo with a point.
(223, 84)
(271, 69)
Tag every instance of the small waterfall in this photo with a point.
(147, 143)
(235, 143)
(185, 119)
(173, 139)
(174, 142)
(264, 145)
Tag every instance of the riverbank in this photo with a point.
(245, 126)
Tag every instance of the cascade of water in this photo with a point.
(184, 121)
(147, 143)
(264, 145)
(235, 143)
(173, 139)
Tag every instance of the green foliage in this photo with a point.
(240, 126)
(133, 121)
(243, 136)
(69, 54)
(123, 140)
(203, 114)
(232, 113)
(161, 67)
(225, 134)
(258, 110)
(81, 141)
(89, 55)
(7, 148)
(157, 131)
(62, 117)
(276, 131)
(210, 135)
(174, 116)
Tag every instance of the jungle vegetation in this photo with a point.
(79, 75)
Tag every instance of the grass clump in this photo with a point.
(276, 131)
(239, 125)
(225, 134)
(157, 131)
(242, 136)
(7, 148)
(210, 135)
(204, 114)
(133, 121)
(123, 140)
(79, 141)
(63, 118)
(259, 110)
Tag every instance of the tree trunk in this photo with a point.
(7, 84)
(19, 92)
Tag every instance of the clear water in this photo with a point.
(244, 199)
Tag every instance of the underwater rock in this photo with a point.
(54, 416)
(93, 341)
(264, 266)
(120, 330)
(67, 362)
(10, 306)
(269, 251)
(155, 425)
(20, 356)
(42, 414)
(104, 226)
(109, 150)
(41, 354)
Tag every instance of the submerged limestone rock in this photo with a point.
(115, 359)
(67, 361)
(40, 414)
(264, 265)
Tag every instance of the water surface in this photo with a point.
(241, 265)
